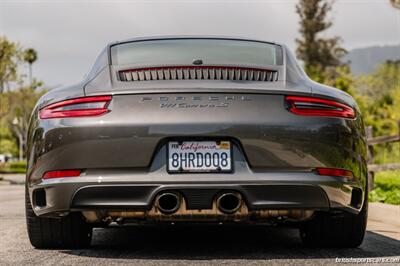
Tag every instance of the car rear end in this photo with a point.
(198, 130)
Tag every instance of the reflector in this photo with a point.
(335, 172)
(61, 173)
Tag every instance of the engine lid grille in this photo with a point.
(198, 73)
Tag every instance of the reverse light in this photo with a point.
(61, 173)
(79, 107)
(335, 172)
(310, 106)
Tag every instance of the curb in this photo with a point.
(12, 179)
(13, 182)
(378, 211)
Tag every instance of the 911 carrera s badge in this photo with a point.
(186, 105)
(196, 101)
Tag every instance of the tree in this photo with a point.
(383, 81)
(318, 54)
(15, 105)
(7, 142)
(30, 56)
(17, 113)
(395, 3)
(382, 89)
(10, 56)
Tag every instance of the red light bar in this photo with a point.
(335, 172)
(61, 173)
(86, 106)
(310, 106)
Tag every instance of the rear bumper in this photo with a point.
(265, 191)
(133, 188)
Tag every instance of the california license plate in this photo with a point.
(199, 156)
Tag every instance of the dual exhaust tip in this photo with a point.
(229, 202)
(170, 202)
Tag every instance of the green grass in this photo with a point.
(14, 167)
(387, 187)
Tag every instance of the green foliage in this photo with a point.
(377, 95)
(7, 142)
(8, 146)
(13, 167)
(383, 80)
(30, 55)
(14, 117)
(16, 105)
(18, 165)
(341, 78)
(10, 56)
(382, 91)
(317, 53)
(387, 187)
(387, 153)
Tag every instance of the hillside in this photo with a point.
(364, 60)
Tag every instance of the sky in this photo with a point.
(68, 35)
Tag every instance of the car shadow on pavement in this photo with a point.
(218, 242)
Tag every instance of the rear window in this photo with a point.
(185, 51)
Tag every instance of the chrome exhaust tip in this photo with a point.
(168, 203)
(229, 203)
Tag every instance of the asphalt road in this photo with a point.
(205, 245)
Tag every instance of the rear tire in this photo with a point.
(70, 231)
(328, 230)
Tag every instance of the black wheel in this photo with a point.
(70, 231)
(330, 230)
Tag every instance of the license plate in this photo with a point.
(199, 156)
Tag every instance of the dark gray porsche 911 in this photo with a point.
(196, 130)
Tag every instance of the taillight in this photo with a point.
(86, 106)
(335, 172)
(310, 106)
(62, 173)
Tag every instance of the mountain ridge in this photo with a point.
(365, 60)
